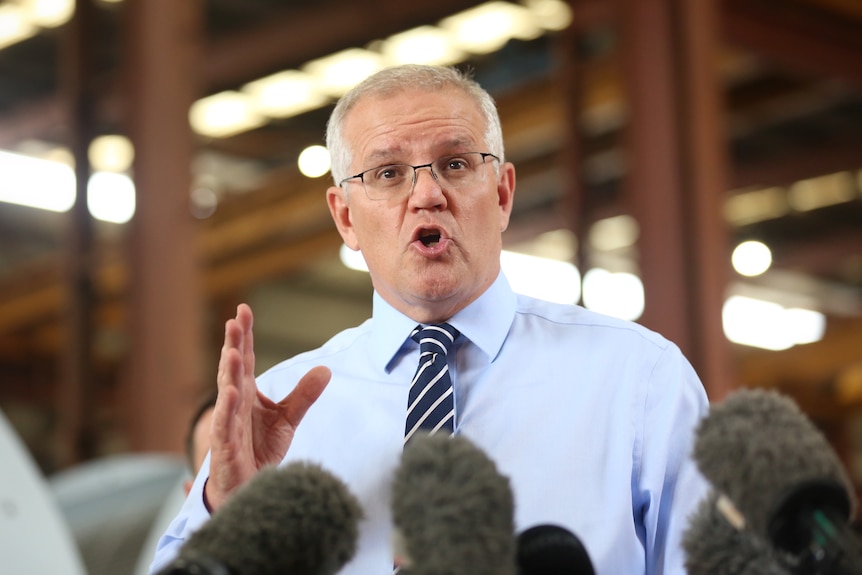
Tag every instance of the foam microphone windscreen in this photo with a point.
(295, 520)
(713, 546)
(756, 447)
(453, 511)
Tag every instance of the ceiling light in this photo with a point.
(768, 325)
(542, 278)
(619, 294)
(751, 258)
(550, 14)
(14, 25)
(754, 206)
(314, 161)
(111, 153)
(224, 114)
(352, 259)
(822, 191)
(614, 233)
(423, 45)
(339, 72)
(36, 183)
(286, 93)
(111, 197)
(49, 13)
(487, 27)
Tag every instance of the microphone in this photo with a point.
(713, 546)
(453, 512)
(552, 550)
(777, 478)
(295, 520)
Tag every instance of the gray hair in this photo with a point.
(399, 78)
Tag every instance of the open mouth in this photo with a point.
(429, 237)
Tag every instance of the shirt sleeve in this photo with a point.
(670, 485)
(191, 516)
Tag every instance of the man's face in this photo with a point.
(425, 281)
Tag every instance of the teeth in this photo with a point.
(430, 238)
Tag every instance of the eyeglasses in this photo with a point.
(393, 181)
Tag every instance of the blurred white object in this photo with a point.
(110, 505)
(34, 539)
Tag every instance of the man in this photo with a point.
(198, 437)
(590, 417)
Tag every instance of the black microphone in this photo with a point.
(453, 512)
(780, 479)
(552, 550)
(295, 520)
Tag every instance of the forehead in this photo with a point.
(414, 122)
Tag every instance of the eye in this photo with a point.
(388, 174)
(455, 164)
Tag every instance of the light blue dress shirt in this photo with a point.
(590, 417)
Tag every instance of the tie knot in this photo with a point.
(435, 338)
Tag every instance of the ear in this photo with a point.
(339, 206)
(506, 193)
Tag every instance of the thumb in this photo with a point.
(306, 392)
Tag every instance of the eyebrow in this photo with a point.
(385, 155)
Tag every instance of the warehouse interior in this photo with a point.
(650, 138)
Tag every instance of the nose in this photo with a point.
(416, 174)
(427, 192)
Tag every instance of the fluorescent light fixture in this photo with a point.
(49, 13)
(14, 25)
(225, 114)
(487, 27)
(36, 183)
(339, 72)
(422, 45)
(807, 325)
(751, 258)
(618, 294)
(314, 161)
(768, 325)
(614, 233)
(822, 191)
(111, 197)
(542, 278)
(111, 153)
(50, 185)
(550, 14)
(352, 259)
(285, 94)
(754, 206)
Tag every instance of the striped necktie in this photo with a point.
(430, 405)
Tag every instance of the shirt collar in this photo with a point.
(485, 322)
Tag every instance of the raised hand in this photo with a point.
(250, 431)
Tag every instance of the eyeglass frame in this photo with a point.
(361, 175)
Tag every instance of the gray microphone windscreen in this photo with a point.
(453, 510)
(756, 447)
(295, 520)
(712, 546)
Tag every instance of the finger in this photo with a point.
(305, 393)
(245, 319)
(229, 381)
(232, 340)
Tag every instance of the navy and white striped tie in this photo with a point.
(430, 405)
